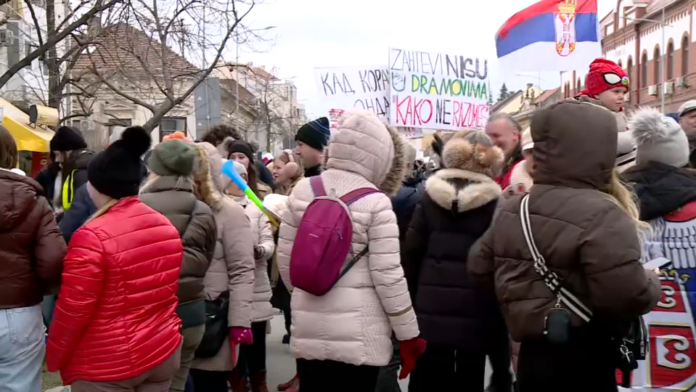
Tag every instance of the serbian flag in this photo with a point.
(551, 35)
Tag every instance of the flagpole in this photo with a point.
(662, 63)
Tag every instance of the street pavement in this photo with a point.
(281, 364)
(279, 361)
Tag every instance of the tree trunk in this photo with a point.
(55, 90)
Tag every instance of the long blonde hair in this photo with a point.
(102, 210)
(625, 199)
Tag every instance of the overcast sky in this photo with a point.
(333, 33)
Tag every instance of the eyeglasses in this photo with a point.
(612, 79)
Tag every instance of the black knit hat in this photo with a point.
(116, 171)
(244, 148)
(315, 134)
(67, 139)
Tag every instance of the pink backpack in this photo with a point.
(324, 239)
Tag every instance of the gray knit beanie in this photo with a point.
(659, 138)
(173, 158)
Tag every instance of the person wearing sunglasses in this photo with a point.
(607, 85)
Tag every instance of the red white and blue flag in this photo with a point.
(551, 35)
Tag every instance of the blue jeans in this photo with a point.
(22, 349)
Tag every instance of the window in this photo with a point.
(644, 69)
(116, 123)
(685, 55)
(670, 61)
(170, 125)
(578, 86)
(629, 69)
(656, 70)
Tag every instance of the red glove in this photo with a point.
(410, 351)
(241, 335)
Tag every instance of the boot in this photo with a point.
(237, 382)
(294, 382)
(258, 382)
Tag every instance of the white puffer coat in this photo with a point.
(263, 237)
(353, 322)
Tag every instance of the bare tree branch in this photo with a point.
(53, 40)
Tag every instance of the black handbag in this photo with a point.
(631, 344)
(216, 329)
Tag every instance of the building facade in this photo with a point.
(632, 37)
(19, 36)
(279, 112)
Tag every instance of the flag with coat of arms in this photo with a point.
(551, 35)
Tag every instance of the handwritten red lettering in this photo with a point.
(412, 111)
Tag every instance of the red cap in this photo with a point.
(604, 75)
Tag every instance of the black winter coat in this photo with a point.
(405, 202)
(456, 209)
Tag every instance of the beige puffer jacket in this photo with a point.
(353, 322)
(232, 267)
(263, 237)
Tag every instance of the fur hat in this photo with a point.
(117, 171)
(67, 139)
(659, 138)
(473, 151)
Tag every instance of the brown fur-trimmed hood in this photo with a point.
(461, 189)
(206, 173)
(473, 151)
(364, 145)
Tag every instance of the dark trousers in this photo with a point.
(252, 357)
(388, 380)
(324, 376)
(281, 300)
(446, 369)
(205, 381)
(500, 356)
(581, 365)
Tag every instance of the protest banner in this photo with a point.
(333, 118)
(365, 88)
(435, 90)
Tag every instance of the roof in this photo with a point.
(263, 74)
(546, 95)
(505, 101)
(121, 47)
(231, 85)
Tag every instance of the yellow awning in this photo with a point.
(28, 138)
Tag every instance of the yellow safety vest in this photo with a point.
(68, 191)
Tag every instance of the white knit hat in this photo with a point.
(659, 138)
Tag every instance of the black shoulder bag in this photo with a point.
(631, 346)
(215, 326)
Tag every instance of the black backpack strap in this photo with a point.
(353, 261)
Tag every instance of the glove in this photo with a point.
(241, 335)
(410, 351)
(259, 252)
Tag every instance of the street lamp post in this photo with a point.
(662, 63)
(663, 76)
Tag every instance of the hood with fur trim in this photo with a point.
(461, 190)
(364, 145)
(473, 151)
(207, 175)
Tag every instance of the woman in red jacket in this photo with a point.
(115, 326)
